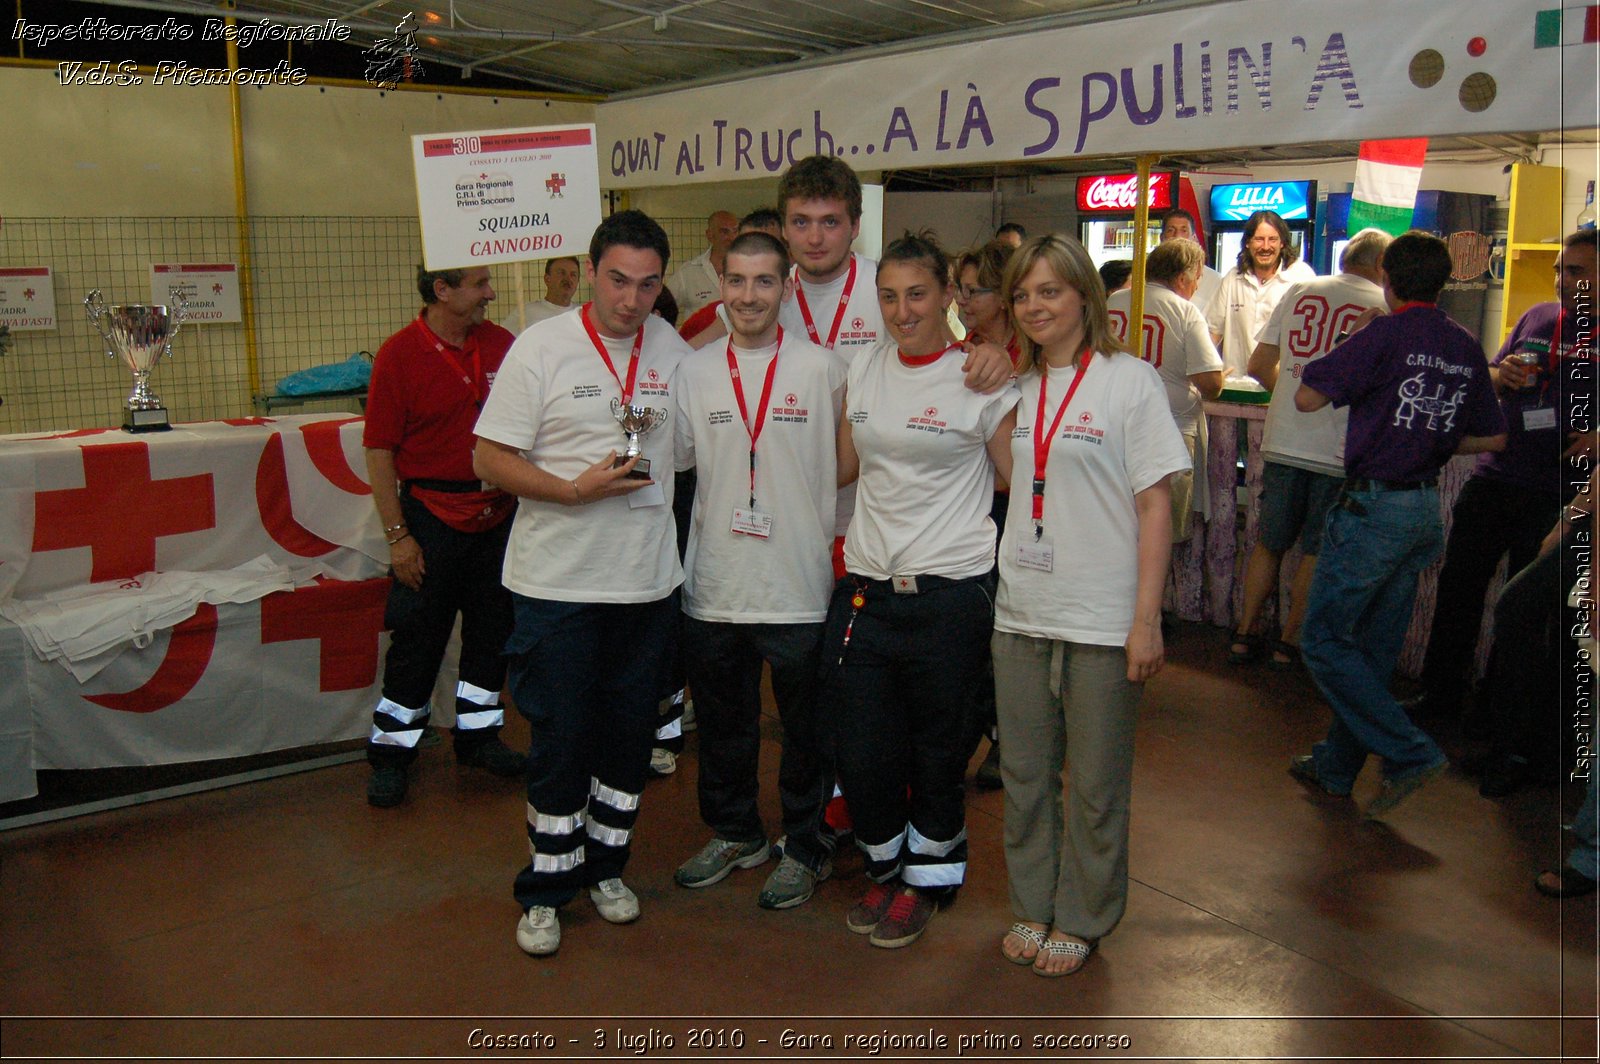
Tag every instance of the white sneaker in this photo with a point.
(539, 932)
(617, 904)
(663, 762)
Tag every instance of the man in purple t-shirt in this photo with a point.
(1515, 495)
(1418, 390)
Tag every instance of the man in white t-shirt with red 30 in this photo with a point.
(1175, 341)
(1304, 453)
(591, 564)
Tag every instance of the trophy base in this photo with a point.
(639, 472)
(152, 420)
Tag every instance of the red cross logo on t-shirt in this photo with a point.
(120, 511)
(791, 399)
(932, 411)
(858, 324)
(653, 375)
(1085, 417)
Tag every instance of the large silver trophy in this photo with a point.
(636, 421)
(139, 334)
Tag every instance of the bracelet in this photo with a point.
(391, 529)
(577, 496)
(397, 539)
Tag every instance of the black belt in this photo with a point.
(454, 487)
(1364, 484)
(919, 584)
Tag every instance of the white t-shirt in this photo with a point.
(1303, 327)
(926, 482)
(786, 577)
(552, 401)
(1210, 281)
(860, 327)
(535, 312)
(1117, 439)
(695, 284)
(1240, 308)
(1176, 342)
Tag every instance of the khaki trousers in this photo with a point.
(1066, 703)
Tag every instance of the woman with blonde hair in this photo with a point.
(1078, 615)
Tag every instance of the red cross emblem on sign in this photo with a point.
(120, 511)
(345, 618)
(216, 288)
(556, 183)
(28, 294)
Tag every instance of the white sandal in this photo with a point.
(1028, 935)
(1055, 947)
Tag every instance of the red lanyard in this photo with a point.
(633, 359)
(761, 413)
(470, 379)
(844, 301)
(1041, 445)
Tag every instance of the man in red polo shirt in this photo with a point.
(446, 529)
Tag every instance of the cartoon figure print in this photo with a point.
(1435, 407)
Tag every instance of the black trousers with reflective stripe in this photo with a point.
(587, 677)
(899, 702)
(462, 577)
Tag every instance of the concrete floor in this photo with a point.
(288, 918)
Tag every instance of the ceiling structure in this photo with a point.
(613, 49)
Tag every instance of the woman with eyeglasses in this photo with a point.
(983, 312)
(907, 631)
(1078, 616)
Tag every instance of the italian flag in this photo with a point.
(1387, 175)
(1561, 27)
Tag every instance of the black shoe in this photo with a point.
(386, 787)
(987, 778)
(1504, 778)
(493, 755)
(1430, 708)
(1567, 883)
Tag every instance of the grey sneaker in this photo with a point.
(791, 884)
(663, 762)
(1395, 791)
(718, 858)
(539, 932)
(616, 903)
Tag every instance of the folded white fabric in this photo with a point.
(84, 628)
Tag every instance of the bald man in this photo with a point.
(699, 281)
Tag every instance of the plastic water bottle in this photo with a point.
(1586, 216)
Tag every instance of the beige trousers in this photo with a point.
(1066, 703)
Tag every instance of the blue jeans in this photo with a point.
(1374, 548)
(1585, 855)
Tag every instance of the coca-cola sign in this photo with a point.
(1120, 192)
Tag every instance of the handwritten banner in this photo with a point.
(1236, 75)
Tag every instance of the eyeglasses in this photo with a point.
(973, 292)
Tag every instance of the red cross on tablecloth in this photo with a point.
(120, 511)
(346, 617)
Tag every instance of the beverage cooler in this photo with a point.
(1106, 207)
(1460, 218)
(1232, 205)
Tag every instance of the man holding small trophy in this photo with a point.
(575, 428)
